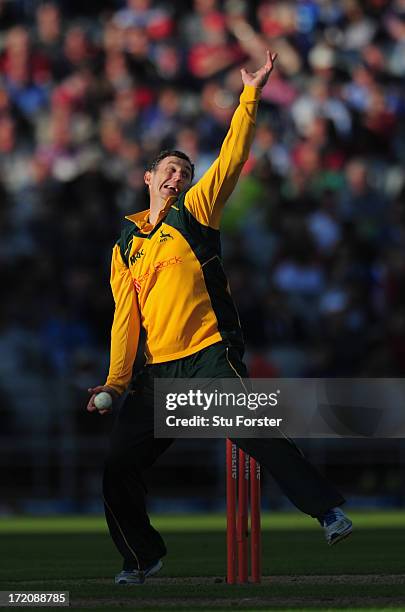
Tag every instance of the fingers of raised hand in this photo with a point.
(271, 58)
(259, 78)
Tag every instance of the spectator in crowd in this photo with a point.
(48, 32)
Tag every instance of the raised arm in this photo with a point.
(206, 199)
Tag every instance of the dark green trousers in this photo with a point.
(134, 449)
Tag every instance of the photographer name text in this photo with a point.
(221, 421)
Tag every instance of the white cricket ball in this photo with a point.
(103, 401)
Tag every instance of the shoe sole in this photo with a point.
(341, 536)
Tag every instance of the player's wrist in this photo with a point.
(116, 390)
(251, 93)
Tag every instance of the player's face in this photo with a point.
(169, 178)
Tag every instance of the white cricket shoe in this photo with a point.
(337, 526)
(138, 576)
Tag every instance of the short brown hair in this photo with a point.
(170, 153)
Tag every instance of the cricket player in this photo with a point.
(167, 276)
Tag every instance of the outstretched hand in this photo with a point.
(261, 76)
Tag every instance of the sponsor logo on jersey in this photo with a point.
(134, 258)
(156, 267)
(160, 265)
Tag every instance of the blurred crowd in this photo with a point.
(314, 234)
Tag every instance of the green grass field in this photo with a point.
(300, 571)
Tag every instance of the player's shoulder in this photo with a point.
(176, 214)
(128, 231)
(178, 205)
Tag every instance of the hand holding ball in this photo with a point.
(103, 401)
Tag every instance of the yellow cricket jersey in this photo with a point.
(168, 278)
